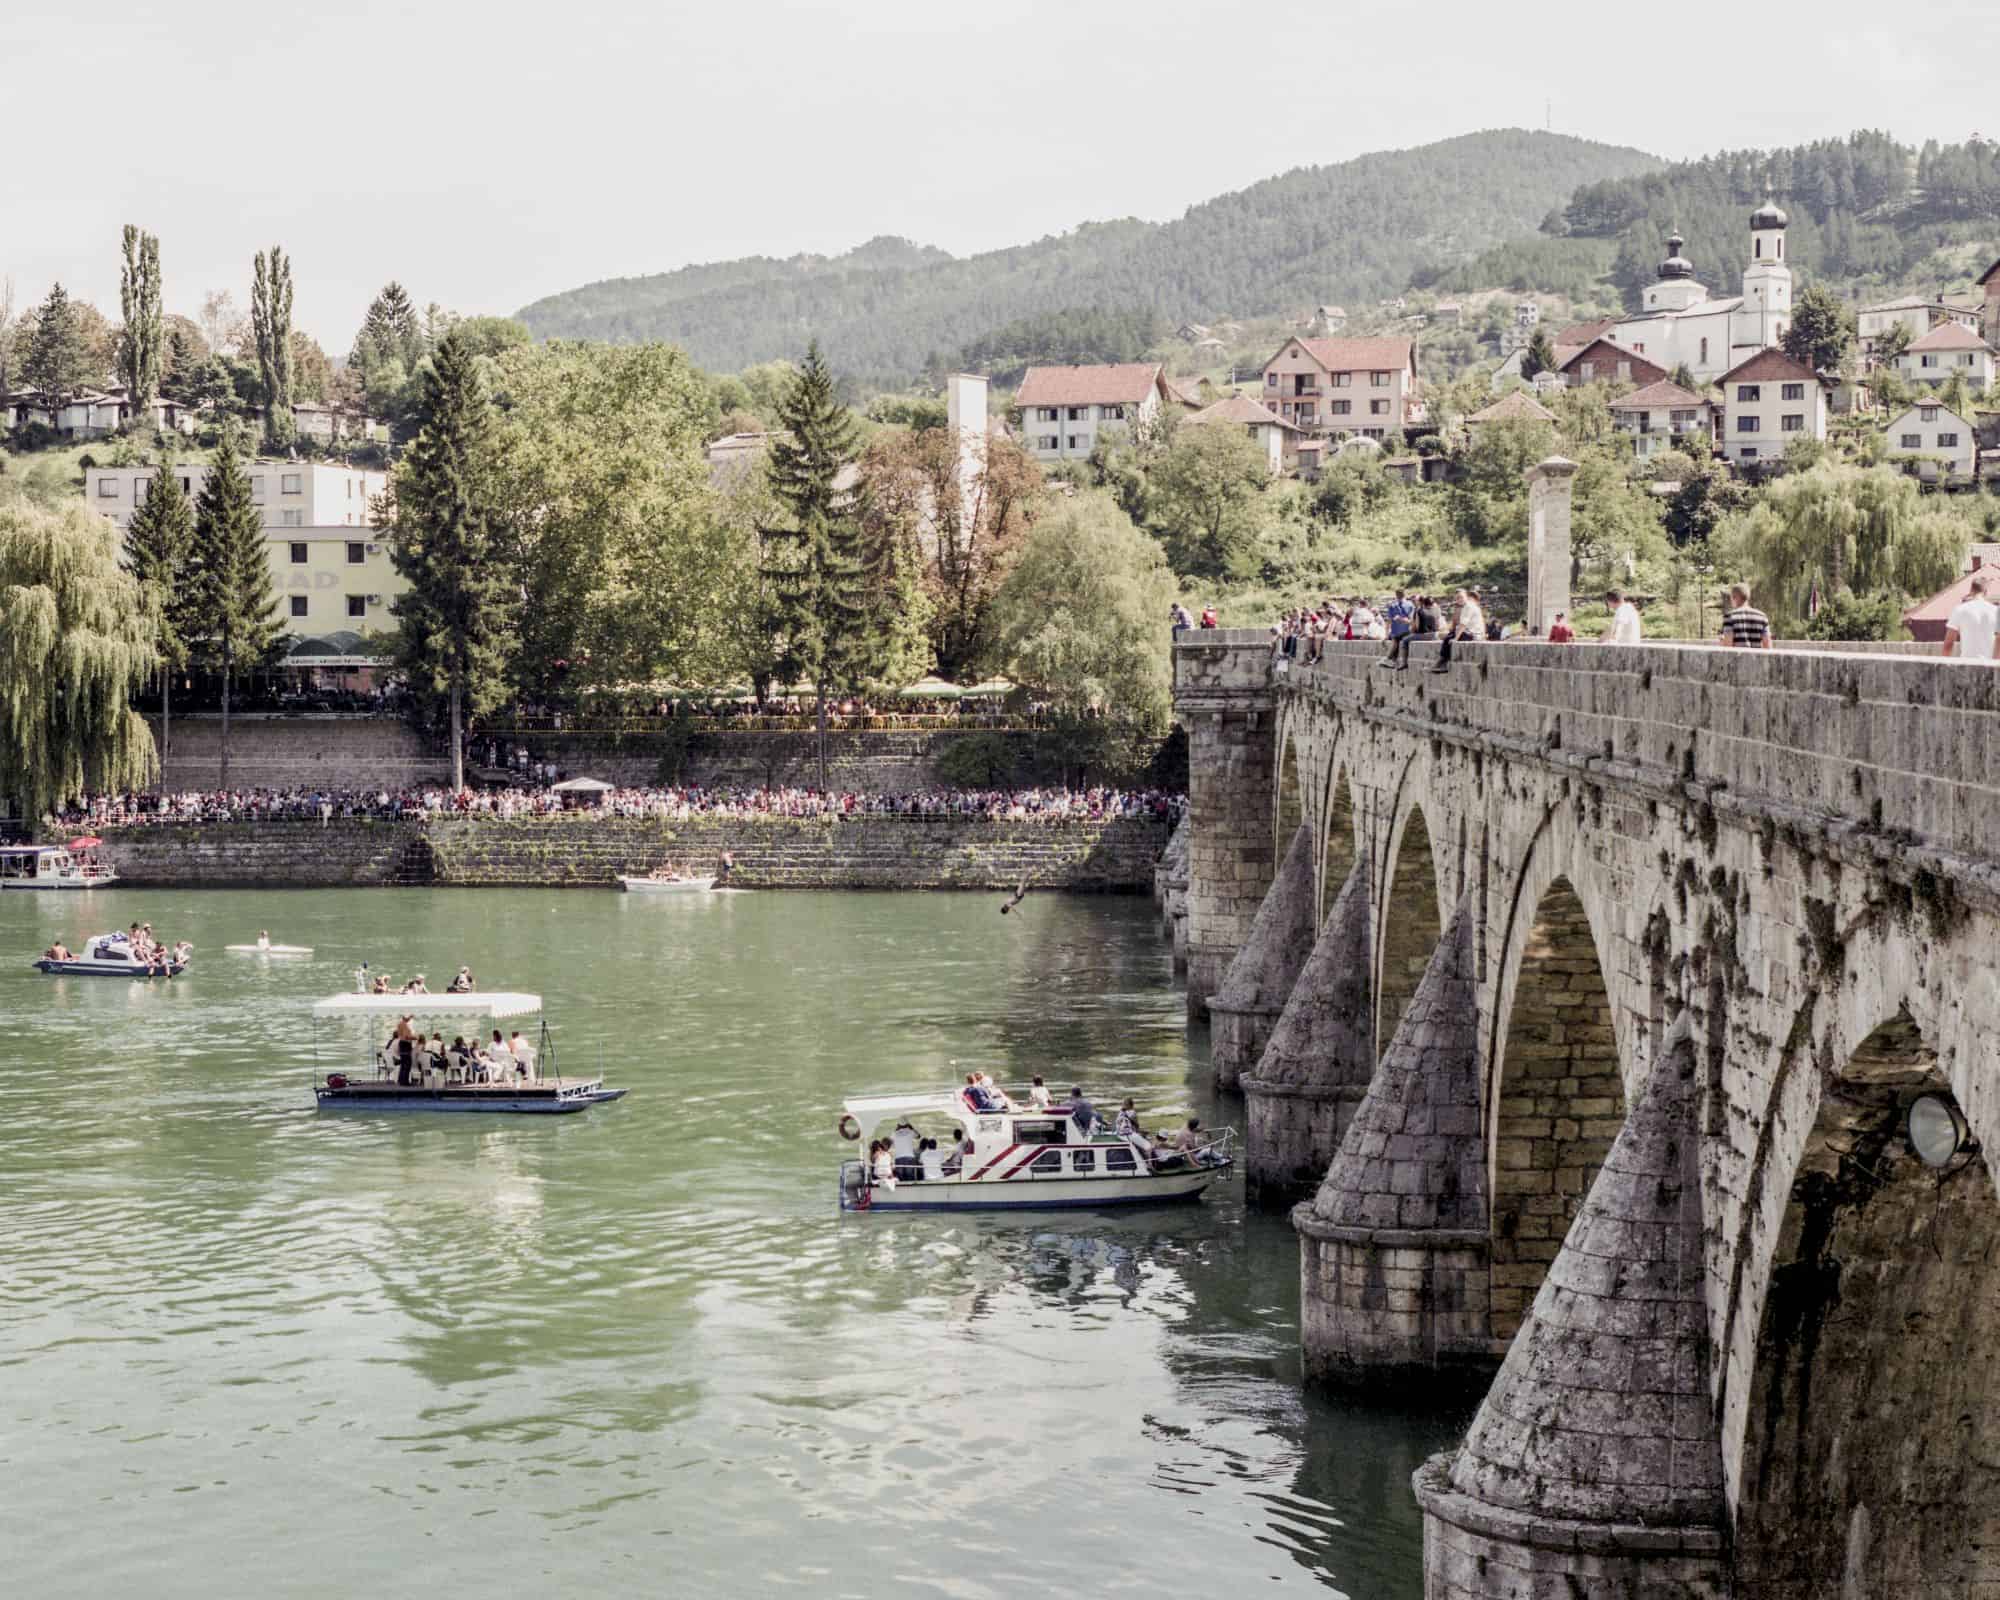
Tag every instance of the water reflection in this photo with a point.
(431, 1354)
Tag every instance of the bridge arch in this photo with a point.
(1409, 909)
(1289, 802)
(1338, 849)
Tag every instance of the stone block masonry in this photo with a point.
(1113, 856)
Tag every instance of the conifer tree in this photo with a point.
(232, 603)
(456, 621)
(271, 324)
(141, 346)
(390, 332)
(159, 546)
(1540, 357)
(56, 364)
(816, 573)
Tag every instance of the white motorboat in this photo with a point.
(651, 885)
(390, 1078)
(54, 866)
(1021, 1160)
(110, 955)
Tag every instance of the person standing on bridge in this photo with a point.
(1974, 627)
(1625, 625)
(1744, 627)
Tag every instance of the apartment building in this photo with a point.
(1660, 415)
(329, 563)
(1365, 387)
(1767, 402)
(1064, 409)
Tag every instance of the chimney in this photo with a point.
(965, 415)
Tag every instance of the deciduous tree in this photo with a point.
(141, 344)
(1206, 499)
(271, 324)
(1822, 329)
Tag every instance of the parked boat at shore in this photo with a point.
(54, 866)
(1020, 1160)
(392, 1078)
(651, 885)
(110, 955)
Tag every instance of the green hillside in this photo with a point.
(1346, 233)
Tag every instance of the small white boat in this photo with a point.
(109, 955)
(269, 949)
(54, 866)
(1022, 1160)
(390, 1079)
(651, 885)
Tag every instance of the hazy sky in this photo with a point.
(488, 153)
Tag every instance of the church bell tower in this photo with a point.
(1767, 282)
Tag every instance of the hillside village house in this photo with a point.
(1064, 409)
(328, 562)
(1277, 438)
(91, 413)
(1767, 402)
(1660, 415)
(1919, 314)
(1939, 435)
(1949, 348)
(1514, 407)
(1365, 387)
(1602, 361)
(1682, 324)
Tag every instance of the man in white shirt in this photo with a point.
(523, 1054)
(1625, 626)
(1971, 632)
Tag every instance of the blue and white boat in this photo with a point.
(54, 866)
(1020, 1159)
(392, 1077)
(110, 955)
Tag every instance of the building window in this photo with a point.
(1704, 352)
(256, 488)
(1270, 380)
(357, 606)
(298, 555)
(1792, 391)
(1746, 425)
(107, 489)
(1913, 441)
(1929, 361)
(1076, 441)
(1947, 441)
(1747, 453)
(1341, 408)
(1748, 391)
(298, 605)
(1342, 380)
(1624, 372)
(1378, 408)
(1927, 413)
(1047, 414)
(1793, 422)
(1076, 413)
(356, 554)
(1048, 441)
(290, 482)
(1378, 380)
(1588, 371)
(1114, 413)
(292, 517)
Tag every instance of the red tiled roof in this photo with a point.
(1239, 408)
(1640, 369)
(1516, 404)
(1660, 396)
(1950, 336)
(1359, 355)
(1127, 383)
(1770, 364)
(1582, 333)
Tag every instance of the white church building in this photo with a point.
(1683, 323)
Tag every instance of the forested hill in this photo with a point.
(1865, 211)
(1347, 233)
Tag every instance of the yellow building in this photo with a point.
(329, 563)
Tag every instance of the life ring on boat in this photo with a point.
(847, 1127)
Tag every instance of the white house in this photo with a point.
(1938, 434)
(1916, 312)
(1064, 409)
(1367, 387)
(1767, 402)
(1277, 438)
(1680, 323)
(1662, 414)
(1949, 348)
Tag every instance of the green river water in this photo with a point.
(247, 1348)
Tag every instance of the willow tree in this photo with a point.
(271, 324)
(76, 637)
(159, 550)
(231, 602)
(141, 344)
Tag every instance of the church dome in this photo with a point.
(1676, 265)
(1767, 216)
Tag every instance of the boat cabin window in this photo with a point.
(1121, 1160)
(1047, 1164)
(112, 952)
(1039, 1130)
(1084, 1161)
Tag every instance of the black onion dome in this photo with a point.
(1676, 265)
(1767, 216)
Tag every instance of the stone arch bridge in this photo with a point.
(1580, 997)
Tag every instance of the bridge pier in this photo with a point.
(1242, 1013)
(1393, 1250)
(1223, 696)
(1594, 1466)
(1310, 1080)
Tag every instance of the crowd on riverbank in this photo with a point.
(1050, 805)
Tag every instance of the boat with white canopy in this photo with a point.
(1019, 1159)
(76, 865)
(405, 1075)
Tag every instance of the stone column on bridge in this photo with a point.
(1594, 1467)
(1393, 1250)
(1307, 1086)
(1242, 1013)
(1549, 486)
(1223, 697)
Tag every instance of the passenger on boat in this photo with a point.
(955, 1162)
(57, 952)
(458, 1061)
(884, 1164)
(263, 938)
(930, 1160)
(436, 1064)
(1038, 1095)
(1127, 1128)
(903, 1148)
(1082, 1113)
(995, 1093)
(381, 984)
(499, 1059)
(977, 1095)
(416, 985)
(523, 1054)
(463, 983)
(403, 1044)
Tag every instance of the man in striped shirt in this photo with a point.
(1744, 627)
